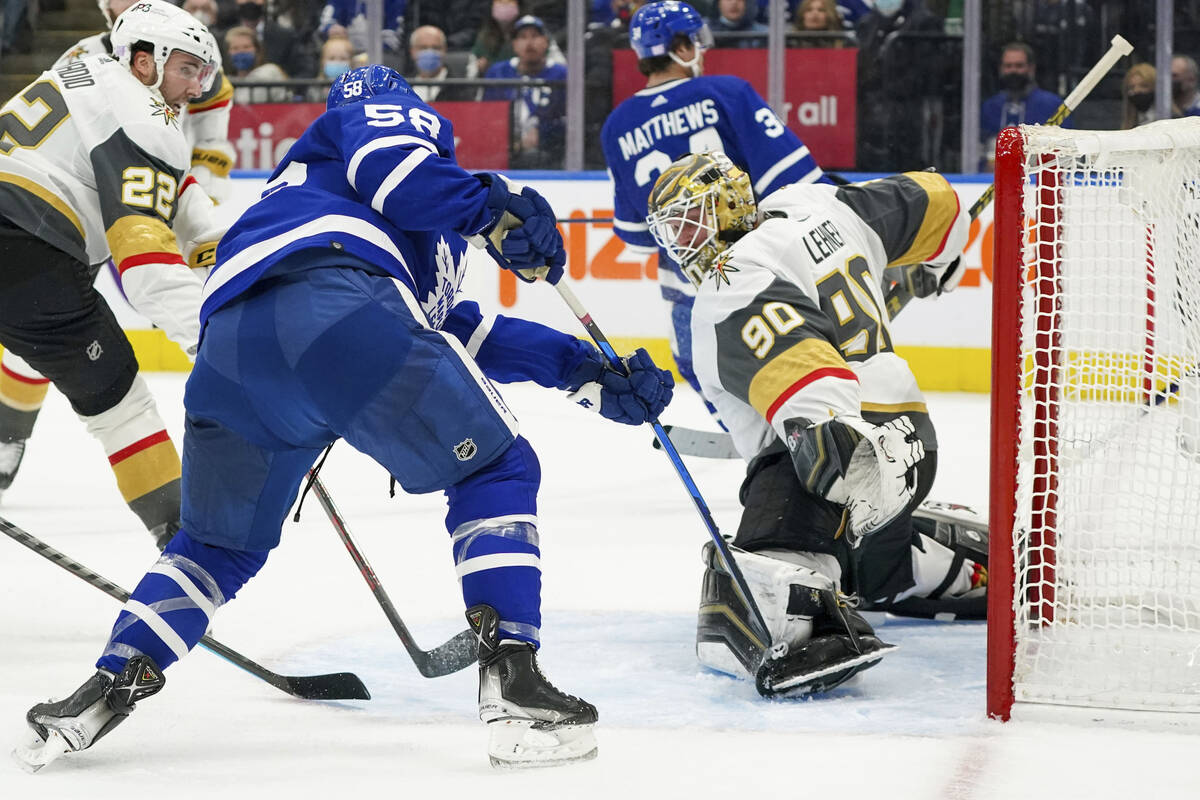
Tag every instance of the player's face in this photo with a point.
(689, 230)
(183, 78)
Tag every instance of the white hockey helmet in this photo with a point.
(165, 28)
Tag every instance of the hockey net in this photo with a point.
(1095, 513)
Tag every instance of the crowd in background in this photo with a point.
(909, 60)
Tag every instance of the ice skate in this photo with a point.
(96, 707)
(530, 722)
(11, 454)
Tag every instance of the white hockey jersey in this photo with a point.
(92, 162)
(792, 323)
(205, 121)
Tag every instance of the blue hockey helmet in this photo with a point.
(655, 25)
(364, 83)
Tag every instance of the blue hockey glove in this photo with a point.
(523, 236)
(632, 398)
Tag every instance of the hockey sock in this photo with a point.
(173, 605)
(493, 523)
(143, 458)
(22, 392)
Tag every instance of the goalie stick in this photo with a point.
(336, 686)
(759, 631)
(898, 297)
(451, 656)
(703, 444)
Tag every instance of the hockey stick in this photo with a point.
(337, 686)
(760, 632)
(456, 654)
(702, 444)
(898, 297)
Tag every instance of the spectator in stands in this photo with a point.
(205, 11)
(1184, 78)
(427, 54)
(617, 13)
(280, 46)
(493, 44)
(813, 16)
(1021, 101)
(734, 16)
(539, 124)
(337, 56)
(1137, 96)
(245, 64)
(352, 16)
(901, 80)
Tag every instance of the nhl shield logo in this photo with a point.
(466, 449)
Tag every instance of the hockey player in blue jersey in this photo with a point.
(682, 111)
(331, 314)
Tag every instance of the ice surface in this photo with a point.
(621, 547)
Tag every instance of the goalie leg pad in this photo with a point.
(779, 514)
(786, 593)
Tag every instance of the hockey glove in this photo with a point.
(523, 236)
(881, 478)
(637, 396)
(924, 280)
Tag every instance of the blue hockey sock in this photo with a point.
(493, 521)
(173, 604)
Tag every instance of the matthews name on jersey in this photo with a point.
(92, 162)
(205, 121)
(657, 125)
(791, 321)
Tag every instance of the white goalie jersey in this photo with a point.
(791, 322)
(92, 162)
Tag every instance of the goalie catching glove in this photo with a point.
(870, 469)
(636, 393)
(523, 236)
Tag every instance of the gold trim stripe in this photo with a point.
(722, 609)
(22, 395)
(135, 234)
(52, 200)
(792, 365)
(939, 216)
(896, 408)
(147, 470)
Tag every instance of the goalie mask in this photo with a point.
(698, 205)
(165, 28)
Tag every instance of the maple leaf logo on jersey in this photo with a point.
(161, 109)
(438, 302)
(721, 270)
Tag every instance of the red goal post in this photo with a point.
(1094, 571)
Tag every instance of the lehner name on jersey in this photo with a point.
(691, 117)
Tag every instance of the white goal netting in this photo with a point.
(1107, 532)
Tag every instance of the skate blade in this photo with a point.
(865, 660)
(520, 744)
(31, 753)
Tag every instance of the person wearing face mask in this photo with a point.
(247, 66)
(427, 54)
(337, 54)
(1184, 78)
(1137, 96)
(735, 16)
(279, 45)
(1020, 102)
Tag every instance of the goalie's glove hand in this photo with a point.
(523, 236)
(882, 477)
(925, 280)
(637, 395)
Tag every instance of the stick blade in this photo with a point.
(445, 659)
(335, 686)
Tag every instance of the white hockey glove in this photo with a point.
(926, 280)
(217, 187)
(880, 480)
